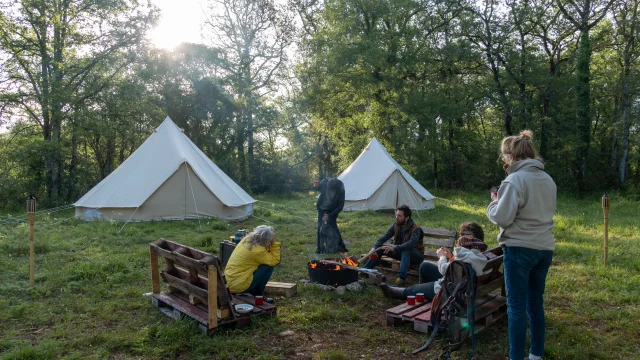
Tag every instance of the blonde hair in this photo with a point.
(262, 235)
(519, 147)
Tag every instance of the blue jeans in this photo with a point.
(525, 273)
(260, 279)
(407, 257)
(429, 274)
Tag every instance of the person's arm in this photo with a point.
(413, 241)
(443, 264)
(388, 235)
(503, 211)
(271, 257)
(338, 204)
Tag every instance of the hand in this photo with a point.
(444, 252)
(325, 217)
(387, 249)
(494, 196)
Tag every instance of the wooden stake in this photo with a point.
(605, 210)
(32, 266)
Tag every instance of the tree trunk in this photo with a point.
(583, 104)
(625, 105)
(71, 186)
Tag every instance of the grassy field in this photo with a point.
(90, 279)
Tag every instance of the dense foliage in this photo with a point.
(282, 95)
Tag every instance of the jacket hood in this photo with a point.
(474, 257)
(524, 164)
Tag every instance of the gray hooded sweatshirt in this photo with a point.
(525, 207)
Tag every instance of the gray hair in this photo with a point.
(261, 235)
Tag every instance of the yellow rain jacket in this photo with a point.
(244, 261)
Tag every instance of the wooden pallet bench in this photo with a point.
(433, 240)
(197, 287)
(489, 306)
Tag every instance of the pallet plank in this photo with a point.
(438, 242)
(286, 289)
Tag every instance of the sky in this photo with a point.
(180, 21)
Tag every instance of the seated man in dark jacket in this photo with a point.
(329, 205)
(407, 245)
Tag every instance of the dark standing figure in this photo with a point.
(407, 245)
(330, 204)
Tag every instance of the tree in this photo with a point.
(253, 36)
(61, 53)
(625, 14)
(584, 16)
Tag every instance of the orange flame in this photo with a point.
(349, 261)
(332, 267)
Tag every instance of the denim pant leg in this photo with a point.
(425, 288)
(408, 257)
(373, 263)
(260, 279)
(516, 276)
(519, 263)
(535, 306)
(429, 272)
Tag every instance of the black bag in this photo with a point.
(454, 301)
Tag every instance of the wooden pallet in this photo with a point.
(177, 307)
(489, 308)
(197, 287)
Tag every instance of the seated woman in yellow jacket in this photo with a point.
(251, 263)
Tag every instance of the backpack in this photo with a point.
(454, 302)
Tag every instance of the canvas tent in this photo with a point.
(376, 181)
(166, 178)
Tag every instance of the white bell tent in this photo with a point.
(166, 178)
(376, 181)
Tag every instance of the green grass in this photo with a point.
(90, 279)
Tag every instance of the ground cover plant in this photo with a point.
(91, 276)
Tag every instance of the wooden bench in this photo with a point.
(197, 288)
(489, 306)
(433, 240)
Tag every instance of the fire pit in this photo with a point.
(329, 273)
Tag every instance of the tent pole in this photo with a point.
(193, 195)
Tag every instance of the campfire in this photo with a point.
(330, 272)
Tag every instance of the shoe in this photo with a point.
(399, 282)
(392, 292)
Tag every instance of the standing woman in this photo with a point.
(251, 264)
(524, 208)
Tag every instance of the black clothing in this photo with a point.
(330, 202)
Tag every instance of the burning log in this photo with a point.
(334, 272)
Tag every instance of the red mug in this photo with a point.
(420, 297)
(411, 300)
(374, 257)
(259, 300)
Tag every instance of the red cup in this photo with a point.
(374, 257)
(259, 300)
(420, 297)
(411, 300)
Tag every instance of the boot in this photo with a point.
(392, 292)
